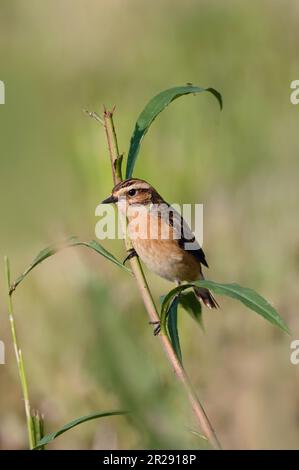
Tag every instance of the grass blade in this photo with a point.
(248, 297)
(94, 245)
(38, 424)
(82, 419)
(53, 249)
(172, 324)
(166, 303)
(153, 108)
(189, 302)
(20, 361)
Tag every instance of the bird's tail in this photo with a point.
(205, 296)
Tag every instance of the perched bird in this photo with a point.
(160, 236)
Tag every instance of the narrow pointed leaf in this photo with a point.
(167, 300)
(94, 245)
(38, 426)
(50, 437)
(42, 255)
(248, 297)
(192, 306)
(151, 111)
(172, 324)
(53, 249)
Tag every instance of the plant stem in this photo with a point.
(38, 424)
(115, 156)
(20, 361)
(148, 301)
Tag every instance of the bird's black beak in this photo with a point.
(110, 200)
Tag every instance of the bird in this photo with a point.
(160, 236)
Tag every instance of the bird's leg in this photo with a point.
(131, 253)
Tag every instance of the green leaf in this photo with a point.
(53, 249)
(172, 324)
(118, 166)
(190, 303)
(167, 300)
(42, 255)
(151, 111)
(248, 297)
(50, 437)
(37, 420)
(94, 245)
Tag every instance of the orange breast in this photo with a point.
(154, 242)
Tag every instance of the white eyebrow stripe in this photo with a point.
(141, 186)
(137, 185)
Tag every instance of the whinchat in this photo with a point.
(160, 236)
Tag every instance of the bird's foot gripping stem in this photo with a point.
(157, 325)
(131, 254)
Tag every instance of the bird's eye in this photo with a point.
(132, 192)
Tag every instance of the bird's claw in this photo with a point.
(131, 253)
(157, 328)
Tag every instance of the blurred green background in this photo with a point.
(82, 327)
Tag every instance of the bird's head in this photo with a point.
(133, 192)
